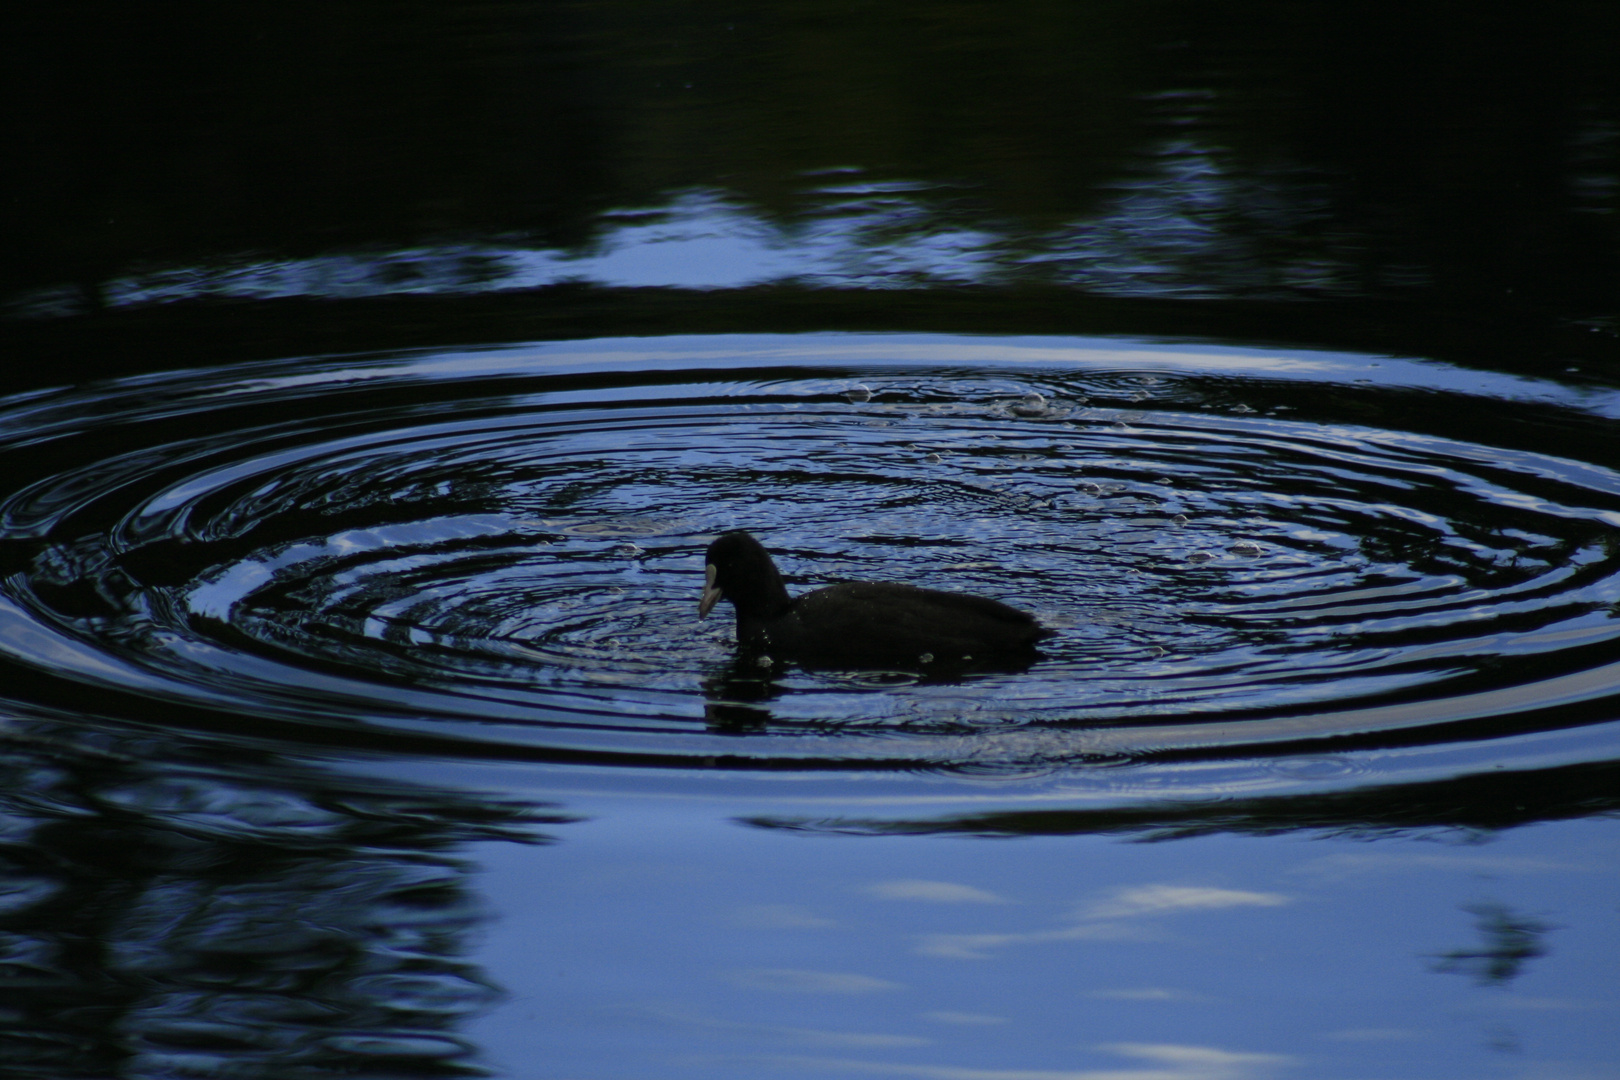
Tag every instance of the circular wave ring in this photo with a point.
(507, 547)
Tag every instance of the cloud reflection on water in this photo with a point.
(793, 981)
(934, 892)
(1162, 1061)
(1104, 920)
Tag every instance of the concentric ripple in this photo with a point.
(505, 547)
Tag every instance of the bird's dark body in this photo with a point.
(860, 622)
(885, 621)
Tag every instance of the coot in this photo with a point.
(859, 622)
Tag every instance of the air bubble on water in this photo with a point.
(858, 394)
(1031, 404)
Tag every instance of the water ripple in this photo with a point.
(504, 547)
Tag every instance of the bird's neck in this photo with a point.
(767, 598)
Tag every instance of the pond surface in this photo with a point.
(375, 377)
(360, 717)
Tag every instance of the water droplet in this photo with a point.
(765, 662)
(858, 394)
(926, 658)
(1313, 768)
(1031, 404)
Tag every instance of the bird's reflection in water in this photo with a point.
(739, 694)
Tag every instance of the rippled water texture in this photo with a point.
(504, 548)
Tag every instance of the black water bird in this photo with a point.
(860, 623)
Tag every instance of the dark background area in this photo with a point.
(1447, 174)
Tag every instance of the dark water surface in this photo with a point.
(372, 378)
(1410, 172)
(293, 647)
(1241, 549)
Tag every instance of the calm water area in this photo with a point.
(372, 381)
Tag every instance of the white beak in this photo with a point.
(711, 592)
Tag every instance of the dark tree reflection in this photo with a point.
(1251, 151)
(1510, 941)
(266, 921)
